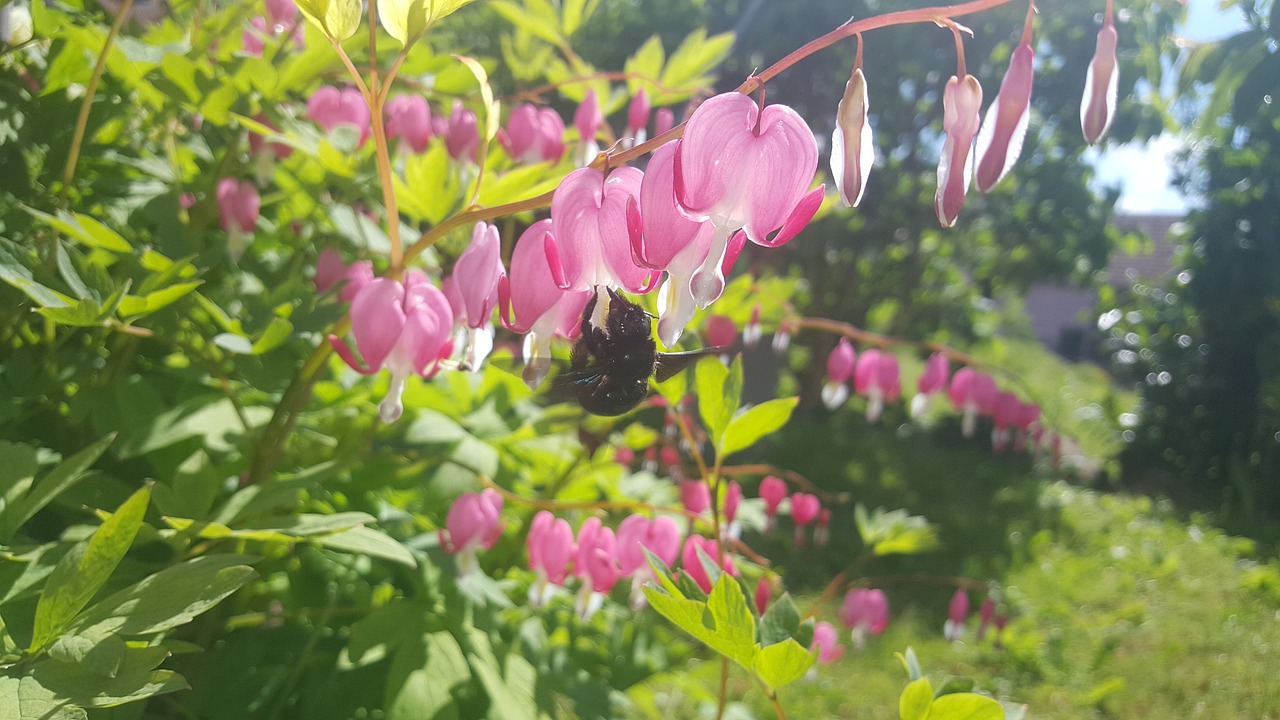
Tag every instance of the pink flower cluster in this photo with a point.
(988, 617)
(806, 509)
(280, 21)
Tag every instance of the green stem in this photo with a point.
(82, 120)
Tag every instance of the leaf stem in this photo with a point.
(82, 120)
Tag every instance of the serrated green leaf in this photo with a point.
(696, 57)
(966, 706)
(57, 481)
(84, 570)
(915, 700)
(169, 598)
(735, 625)
(749, 426)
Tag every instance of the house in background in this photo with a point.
(1063, 317)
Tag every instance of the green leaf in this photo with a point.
(338, 19)
(136, 679)
(403, 20)
(278, 330)
(697, 56)
(755, 422)
(645, 63)
(371, 542)
(491, 115)
(442, 8)
(153, 301)
(719, 392)
(83, 229)
(19, 276)
(574, 13)
(84, 570)
(780, 621)
(915, 700)
(525, 20)
(59, 479)
(86, 313)
(966, 706)
(735, 625)
(168, 598)
(233, 343)
(100, 655)
(18, 466)
(783, 663)
(26, 699)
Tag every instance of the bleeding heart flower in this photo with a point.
(877, 377)
(663, 120)
(693, 565)
(238, 205)
(957, 612)
(752, 331)
(284, 13)
(588, 118)
(772, 491)
(591, 246)
(695, 496)
(763, 595)
(409, 117)
(1005, 125)
(534, 134)
(330, 107)
(1101, 83)
(462, 136)
(931, 383)
(961, 101)
(1005, 414)
(804, 510)
(973, 393)
(331, 270)
(541, 308)
(551, 548)
(866, 611)
(839, 369)
(474, 284)
(638, 118)
(986, 613)
(474, 523)
(403, 326)
(595, 565)
(1028, 416)
(743, 168)
(826, 642)
(661, 536)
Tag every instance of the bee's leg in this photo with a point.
(586, 315)
(580, 355)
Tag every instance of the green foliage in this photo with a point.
(724, 622)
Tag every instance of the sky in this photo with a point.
(1142, 170)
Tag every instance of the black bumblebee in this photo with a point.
(610, 366)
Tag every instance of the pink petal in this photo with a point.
(667, 230)
(798, 219)
(377, 319)
(840, 362)
(477, 273)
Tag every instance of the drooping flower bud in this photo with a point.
(986, 614)
(721, 331)
(1100, 84)
(973, 393)
(961, 102)
(840, 365)
(534, 134)
(1005, 125)
(595, 564)
(852, 149)
(695, 496)
(752, 331)
(462, 135)
(663, 120)
(822, 532)
(763, 595)
(1004, 414)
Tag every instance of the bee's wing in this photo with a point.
(670, 364)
